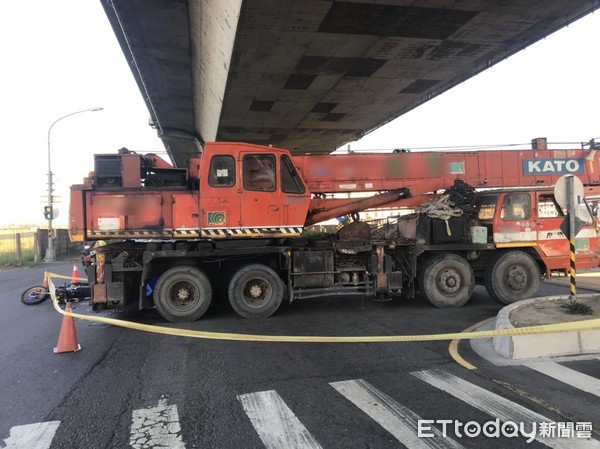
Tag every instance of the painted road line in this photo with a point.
(569, 376)
(275, 423)
(398, 420)
(539, 401)
(156, 427)
(38, 435)
(498, 407)
(453, 347)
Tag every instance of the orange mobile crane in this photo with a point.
(233, 221)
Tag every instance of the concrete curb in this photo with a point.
(543, 345)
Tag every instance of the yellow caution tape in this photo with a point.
(531, 330)
(60, 276)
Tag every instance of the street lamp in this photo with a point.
(48, 212)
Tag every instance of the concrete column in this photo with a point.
(213, 27)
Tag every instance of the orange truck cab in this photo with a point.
(532, 219)
(249, 191)
(232, 190)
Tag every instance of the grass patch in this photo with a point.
(577, 308)
(8, 248)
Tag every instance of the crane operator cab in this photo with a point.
(252, 191)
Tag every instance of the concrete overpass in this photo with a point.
(311, 75)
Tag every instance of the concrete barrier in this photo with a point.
(544, 345)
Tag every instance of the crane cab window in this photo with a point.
(290, 181)
(516, 206)
(259, 172)
(222, 171)
(584, 213)
(547, 207)
(594, 207)
(487, 207)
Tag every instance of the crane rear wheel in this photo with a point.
(182, 294)
(512, 276)
(255, 291)
(447, 280)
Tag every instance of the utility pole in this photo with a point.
(48, 209)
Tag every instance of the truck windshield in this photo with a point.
(594, 207)
(583, 212)
(516, 206)
(290, 181)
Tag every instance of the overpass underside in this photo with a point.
(312, 75)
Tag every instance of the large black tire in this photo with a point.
(182, 294)
(447, 281)
(35, 295)
(512, 276)
(256, 291)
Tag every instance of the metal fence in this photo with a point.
(20, 247)
(17, 247)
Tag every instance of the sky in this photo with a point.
(61, 56)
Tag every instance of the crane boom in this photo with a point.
(491, 168)
(430, 171)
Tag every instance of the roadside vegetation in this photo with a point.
(13, 254)
(577, 308)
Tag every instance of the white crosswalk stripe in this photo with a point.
(31, 436)
(275, 423)
(398, 420)
(279, 428)
(568, 376)
(497, 406)
(156, 427)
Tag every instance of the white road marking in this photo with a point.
(499, 407)
(275, 423)
(156, 427)
(569, 376)
(32, 436)
(398, 420)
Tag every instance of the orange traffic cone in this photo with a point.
(45, 283)
(67, 339)
(75, 275)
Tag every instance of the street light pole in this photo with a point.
(50, 252)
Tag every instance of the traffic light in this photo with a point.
(48, 212)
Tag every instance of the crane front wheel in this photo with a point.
(182, 294)
(447, 281)
(255, 291)
(512, 276)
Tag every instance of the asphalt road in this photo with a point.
(134, 389)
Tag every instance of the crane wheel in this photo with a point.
(512, 276)
(255, 291)
(447, 281)
(182, 294)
